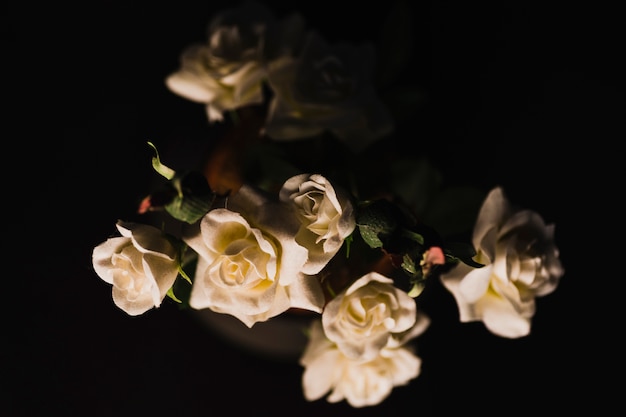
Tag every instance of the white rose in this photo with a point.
(228, 71)
(196, 81)
(327, 88)
(360, 383)
(368, 315)
(249, 264)
(141, 264)
(326, 215)
(521, 263)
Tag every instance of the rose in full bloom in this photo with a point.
(368, 315)
(521, 263)
(141, 264)
(327, 88)
(360, 382)
(249, 264)
(326, 217)
(229, 70)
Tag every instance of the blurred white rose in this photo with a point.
(327, 88)
(249, 264)
(326, 217)
(141, 264)
(228, 71)
(521, 263)
(360, 382)
(368, 315)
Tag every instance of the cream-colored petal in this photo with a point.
(214, 113)
(147, 238)
(404, 365)
(475, 284)
(318, 376)
(102, 253)
(135, 306)
(306, 293)
(319, 359)
(422, 322)
(503, 320)
(494, 210)
(193, 88)
(163, 272)
(277, 219)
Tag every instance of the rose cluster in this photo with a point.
(316, 86)
(316, 238)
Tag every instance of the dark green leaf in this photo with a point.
(194, 198)
(376, 220)
(462, 252)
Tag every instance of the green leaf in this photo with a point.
(411, 235)
(376, 220)
(183, 274)
(348, 244)
(417, 281)
(417, 289)
(408, 265)
(194, 197)
(370, 236)
(462, 252)
(182, 285)
(164, 170)
(170, 294)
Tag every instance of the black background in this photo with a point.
(524, 95)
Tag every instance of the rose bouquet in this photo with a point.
(310, 202)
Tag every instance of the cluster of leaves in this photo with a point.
(385, 225)
(187, 195)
